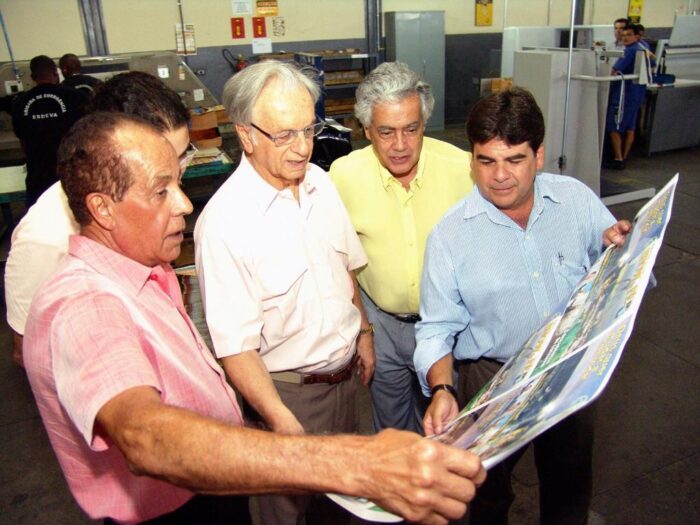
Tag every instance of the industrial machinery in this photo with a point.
(168, 66)
(673, 110)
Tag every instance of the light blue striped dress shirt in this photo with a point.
(488, 284)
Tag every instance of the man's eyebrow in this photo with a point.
(159, 179)
(517, 156)
(391, 128)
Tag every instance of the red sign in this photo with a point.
(259, 30)
(237, 28)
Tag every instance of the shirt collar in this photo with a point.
(477, 204)
(264, 194)
(105, 261)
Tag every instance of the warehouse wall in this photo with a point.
(54, 27)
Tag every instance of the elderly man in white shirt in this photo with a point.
(275, 254)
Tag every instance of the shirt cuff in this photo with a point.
(428, 352)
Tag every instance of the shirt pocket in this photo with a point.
(567, 274)
(280, 281)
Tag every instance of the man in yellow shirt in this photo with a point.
(395, 191)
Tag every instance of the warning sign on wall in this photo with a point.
(634, 11)
(237, 27)
(266, 7)
(483, 15)
(259, 29)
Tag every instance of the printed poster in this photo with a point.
(186, 45)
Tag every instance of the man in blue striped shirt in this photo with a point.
(496, 266)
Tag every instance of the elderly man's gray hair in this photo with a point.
(391, 82)
(242, 90)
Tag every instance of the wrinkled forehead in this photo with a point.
(280, 102)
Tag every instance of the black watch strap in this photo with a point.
(449, 388)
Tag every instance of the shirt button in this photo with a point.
(153, 277)
(536, 275)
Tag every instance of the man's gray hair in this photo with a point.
(242, 90)
(391, 82)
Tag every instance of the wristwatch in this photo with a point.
(449, 388)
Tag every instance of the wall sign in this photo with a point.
(483, 15)
(259, 29)
(237, 27)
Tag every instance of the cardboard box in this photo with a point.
(501, 84)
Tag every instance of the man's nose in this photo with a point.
(502, 171)
(399, 140)
(302, 145)
(183, 205)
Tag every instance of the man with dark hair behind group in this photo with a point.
(619, 26)
(532, 237)
(72, 77)
(40, 118)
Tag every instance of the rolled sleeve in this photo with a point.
(443, 314)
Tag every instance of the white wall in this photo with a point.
(41, 27)
(140, 25)
(54, 27)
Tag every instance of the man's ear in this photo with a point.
(244, 137)
(366, 128)
(540, 157)
(101, 208)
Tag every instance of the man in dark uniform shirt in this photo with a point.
(40, 118)
(71, 68)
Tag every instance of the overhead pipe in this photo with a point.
(562, 156)
(15, 70)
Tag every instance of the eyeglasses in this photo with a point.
(187, 156)
(288, 136)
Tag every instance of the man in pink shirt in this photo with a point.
(137, 411)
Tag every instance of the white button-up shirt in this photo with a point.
(274, 272)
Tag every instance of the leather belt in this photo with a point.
(405, 318)
(331, 378)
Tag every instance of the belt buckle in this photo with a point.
(332, 378)
(408, 318)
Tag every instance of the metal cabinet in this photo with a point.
(418, 39)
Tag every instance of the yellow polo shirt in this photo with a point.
(393, 224)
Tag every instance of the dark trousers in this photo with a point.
(321, 409)
(563, 456)
(212, 510)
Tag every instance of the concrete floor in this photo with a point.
(647, 453)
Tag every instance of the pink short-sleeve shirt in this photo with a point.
(103, 324)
